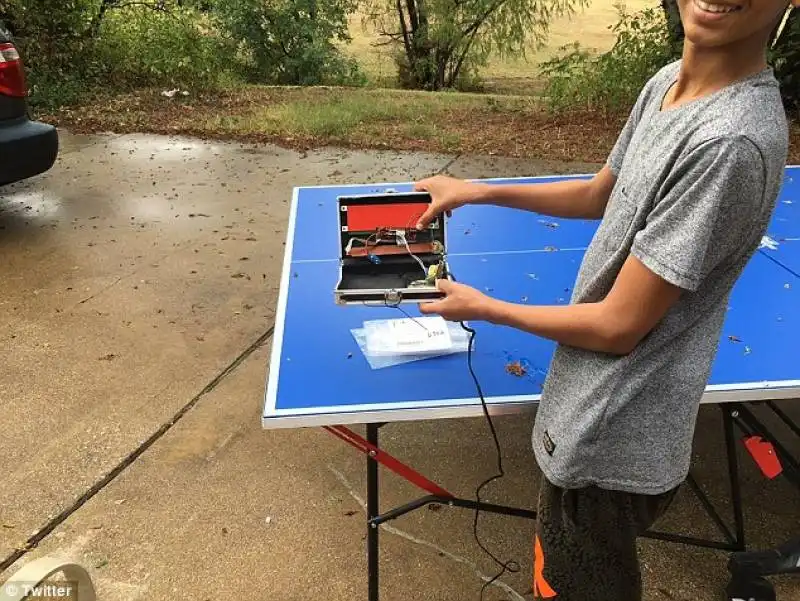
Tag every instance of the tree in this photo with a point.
(441, 40)
(291, 41)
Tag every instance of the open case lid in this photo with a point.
(362, 216)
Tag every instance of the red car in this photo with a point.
(27, 147)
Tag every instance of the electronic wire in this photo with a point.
(403, 311)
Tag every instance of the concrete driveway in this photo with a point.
(139, 284)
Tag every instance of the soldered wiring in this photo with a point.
(401, 237)
(385, 234)
(365, 241)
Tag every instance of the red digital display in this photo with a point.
(367, 218)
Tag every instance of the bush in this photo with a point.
(646, 41)
(611, 81)
(162, 48)
(290, 42)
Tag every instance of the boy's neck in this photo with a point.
(706, 70)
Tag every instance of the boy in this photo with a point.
(685, 198)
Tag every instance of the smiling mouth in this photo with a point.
(711, 7)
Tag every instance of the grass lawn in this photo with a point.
(363, 118)
(454, 123)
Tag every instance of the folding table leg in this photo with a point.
(372, 512)
(728, 416)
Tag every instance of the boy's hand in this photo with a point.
(447, 193)
(461, 303)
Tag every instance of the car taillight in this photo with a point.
(12, 75)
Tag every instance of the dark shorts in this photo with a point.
(585, 542)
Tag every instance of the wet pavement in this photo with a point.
(140, 278)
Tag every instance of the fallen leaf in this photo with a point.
(515, 369)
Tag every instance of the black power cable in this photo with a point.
(509, 566)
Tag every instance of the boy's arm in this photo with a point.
(579, 199)
(709, 214)
(637, 302)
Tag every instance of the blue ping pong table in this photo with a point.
(520, 257)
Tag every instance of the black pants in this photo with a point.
(585, 542)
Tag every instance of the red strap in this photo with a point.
(388, 461)
(763, 453)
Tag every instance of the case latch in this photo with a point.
(393, 297)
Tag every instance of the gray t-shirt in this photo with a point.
(696, 186)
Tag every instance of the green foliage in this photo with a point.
(578, 78)
(290, 42)
(443, 43)
(161, 48)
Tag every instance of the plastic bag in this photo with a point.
(379, 358)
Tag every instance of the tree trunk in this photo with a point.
(94, 27)
(786, 58)
(789, 40)
(673, 15)
(419, 50)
